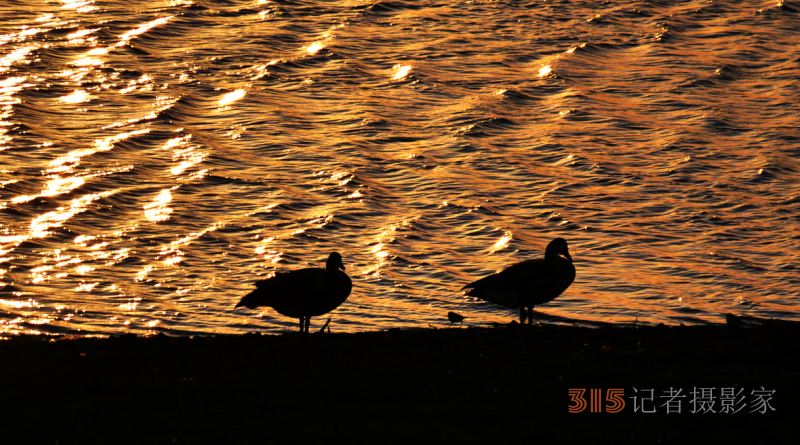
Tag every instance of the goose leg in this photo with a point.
(301, 325)
(308, 322)
(326, 325)
(522, 314)
(530, 315)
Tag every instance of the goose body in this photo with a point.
(530, 282)
(303, 293)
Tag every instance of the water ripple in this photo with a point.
(157, 158)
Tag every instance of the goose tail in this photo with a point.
(503, 298)
(253, 300)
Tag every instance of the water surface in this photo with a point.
(157, 157)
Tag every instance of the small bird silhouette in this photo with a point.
(455, 318)
(303, 293)
(733, 321)
(530, 282)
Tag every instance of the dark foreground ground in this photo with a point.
(478, 385)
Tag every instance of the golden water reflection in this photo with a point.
(595, 163)
(158, 211)
(142, 29)
(231, 97)
(79, 5)
(401, 71)
(15, 57)
(314, 47)
(502, 242)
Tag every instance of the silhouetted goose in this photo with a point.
(303, 293)
(530, 282)
(455, 317)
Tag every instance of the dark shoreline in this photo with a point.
(473, 385)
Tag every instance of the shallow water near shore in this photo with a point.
(157, 157)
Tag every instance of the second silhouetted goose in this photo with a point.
(303, 293)
(530, 282)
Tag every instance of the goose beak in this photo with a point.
(566, 254)
(341, 266)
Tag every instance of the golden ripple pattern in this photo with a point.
(157, 159)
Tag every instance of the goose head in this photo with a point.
(334, 262)
(557, 247)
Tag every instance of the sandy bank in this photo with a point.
(476, 385)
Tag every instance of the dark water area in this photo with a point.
(158, 157)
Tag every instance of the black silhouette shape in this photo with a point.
(326, 325)
(530, 282)
(303, 293)
(455, 318)
(733, 321)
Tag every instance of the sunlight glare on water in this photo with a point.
(231, 97)
(157, 158)
(402, 71)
